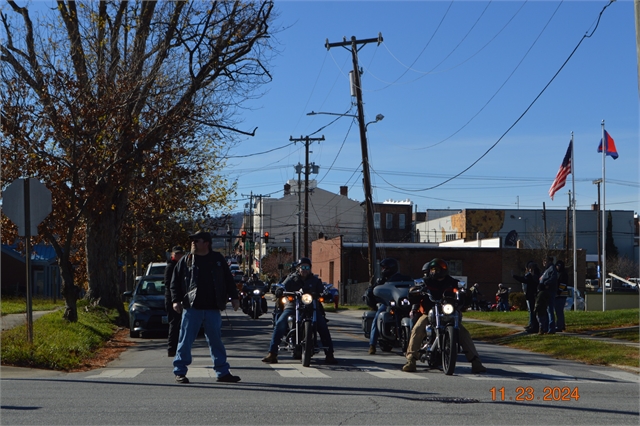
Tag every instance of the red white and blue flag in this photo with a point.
(610, 146)
(563, 172)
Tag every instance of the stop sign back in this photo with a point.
(39, 204)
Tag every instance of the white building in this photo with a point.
(329, 215)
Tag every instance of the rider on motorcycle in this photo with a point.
(302, 279)
(389, 273)
(437, 280)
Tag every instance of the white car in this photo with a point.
(568, 305)
(156, 268)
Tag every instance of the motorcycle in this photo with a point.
(442, 343)
(394, 324)
(301, 337)
(254, 303)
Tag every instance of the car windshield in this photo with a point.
(151, 287)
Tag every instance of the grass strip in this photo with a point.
(57, 343)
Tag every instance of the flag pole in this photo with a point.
(603, 273)
(573, 204)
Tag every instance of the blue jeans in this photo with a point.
(503, 306)
(281, 328)
(375, 333)
(543, 321)
(551, 312)
(192, 319)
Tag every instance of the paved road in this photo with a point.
(138, 388)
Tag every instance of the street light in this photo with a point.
(379, 117)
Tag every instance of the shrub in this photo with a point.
(518, 300)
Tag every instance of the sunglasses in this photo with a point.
(305, 267)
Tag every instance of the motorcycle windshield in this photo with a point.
(393, 290)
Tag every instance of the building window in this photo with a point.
(455, 267)
(389, 220)
(376, 220)
(401, 223)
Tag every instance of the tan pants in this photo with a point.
(419, 333)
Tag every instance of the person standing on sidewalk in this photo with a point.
(201, 286)
(549, 279)
(530, 282)
(561, 296)
(173, 317)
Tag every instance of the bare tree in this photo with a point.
(125, 106)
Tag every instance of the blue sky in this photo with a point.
(450, 79)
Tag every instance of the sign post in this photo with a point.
(27, 202)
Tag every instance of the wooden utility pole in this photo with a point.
(307, 140)
(363, 141)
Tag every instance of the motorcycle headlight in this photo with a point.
(447, 309)
(257, 292)
(405, 302)
(284, 300)
(392, 303)
(307, 298)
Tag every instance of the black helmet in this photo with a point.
(304, 260)
(440, 266)
(388, 267)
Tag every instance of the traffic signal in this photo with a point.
(266, 237)
(243, 235)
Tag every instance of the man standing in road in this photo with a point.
(200, 288)
(172, 316)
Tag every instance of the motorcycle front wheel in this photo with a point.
(405, 332)
(257, 310)
(307, 344)
(449, 350)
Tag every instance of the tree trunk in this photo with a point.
(69, 292)
(102, 261)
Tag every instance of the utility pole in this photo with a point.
(601, 282)
(261, 231)
(297, 238)
(307, 140)
(363, 140)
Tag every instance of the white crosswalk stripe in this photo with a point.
(117, 373)
(298, 371)
(543, 372)
(384, 373)
(620, 375)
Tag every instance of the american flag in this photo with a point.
(561, 176)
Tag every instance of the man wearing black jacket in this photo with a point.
(530, 282)
(201, 286)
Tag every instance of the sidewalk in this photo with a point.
(15, 320)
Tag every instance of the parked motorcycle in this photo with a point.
(302, 330)
(442, 342)
(394, 324)
(254, 303)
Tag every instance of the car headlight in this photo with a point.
(140, 308)
(447, 309)
(307, 298)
